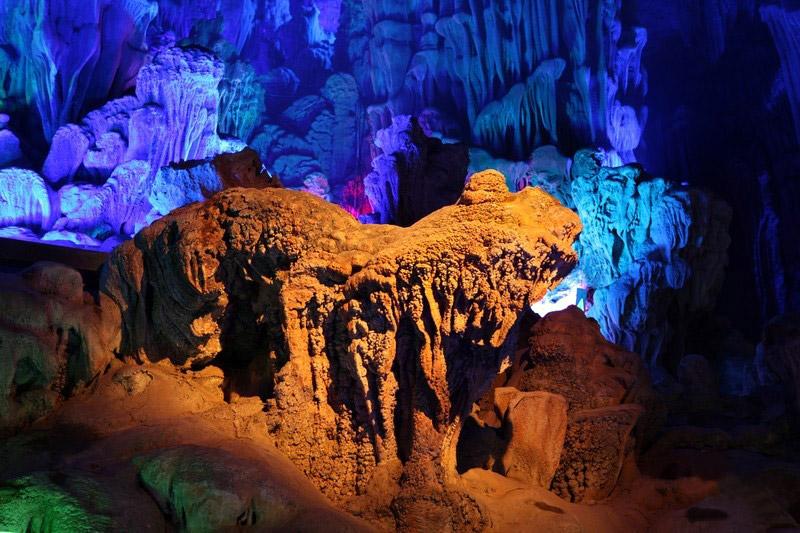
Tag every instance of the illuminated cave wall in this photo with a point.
(363, 102)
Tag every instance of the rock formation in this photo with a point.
(413, 175)
(371, 343)
(206, 489)
(193, 181)
(585, 397)
(640, 252)
(9, 143)
(536, 424)
(173, 117)
(69, 56)
(54, 339)
(24, 199)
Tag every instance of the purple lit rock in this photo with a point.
(104, 156)
(24, 199)
(173, 117)
(183, 84)
(179, 185)
(118, 206)
(9, 143)
(71, 237)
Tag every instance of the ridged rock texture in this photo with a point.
(595, 403)
(173, 117)
(371, 343)
(652, 252)
(71, 56)
(507, 70)
(24, 199)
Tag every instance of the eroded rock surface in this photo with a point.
(536, 423)
(595, 447)
(207, 489)
(606, 392)
(371, 342)
(53, 338)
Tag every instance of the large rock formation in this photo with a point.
(653, 253)
(516, 73)
(207, 489)
(370, 342)
(173, 117)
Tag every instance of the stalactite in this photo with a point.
(70, 55)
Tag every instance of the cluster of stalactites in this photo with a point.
(510, 70)
(69, 55)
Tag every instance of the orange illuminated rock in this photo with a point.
(369, 342)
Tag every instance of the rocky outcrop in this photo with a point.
(535, 424)
(606, 405)
(597, 442)
(116, 207)
(54, 338)
(414, 175)
(173, 117)
(371, 342)
(652, 252)
(180, 101)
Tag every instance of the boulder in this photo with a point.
(596, 444)
(206, 490)
(535, 424)
(568, 355)
(606, 394)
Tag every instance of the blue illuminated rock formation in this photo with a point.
(502, 69)
(69, 55)
(649, 250)
(241, 101)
